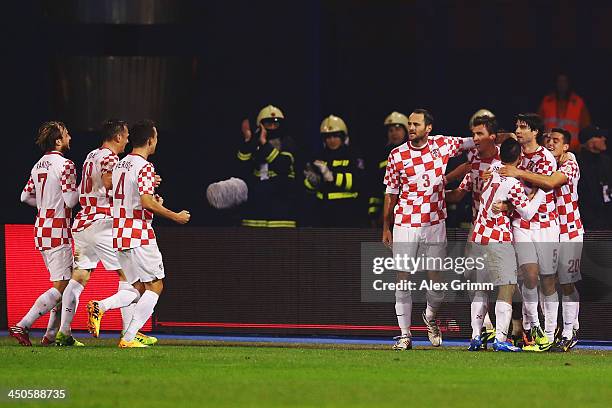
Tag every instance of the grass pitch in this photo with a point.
(195, 373)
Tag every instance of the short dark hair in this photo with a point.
(112, 127)
(48, 133)
(489, 123)
(533, 120)
(509, 150)
(567, 136)
(428, 116)
(141, 132)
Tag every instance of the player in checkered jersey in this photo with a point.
(134, 203)
(493, 234)
(414, 205)
(564, 181)
(51, 188)
(537, 239)
(484, 132)
(93, 226)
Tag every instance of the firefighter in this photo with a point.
(334, 178)
(267, 166)
(396, 125)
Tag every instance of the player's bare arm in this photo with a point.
(388, 206)
(454, 196)
(546, 182)
(152, 204)
(457, 173)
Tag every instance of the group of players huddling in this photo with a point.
(118, 200)
(526, 226)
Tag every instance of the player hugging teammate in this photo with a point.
(114, 226)
(526, 222)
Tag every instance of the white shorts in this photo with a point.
(95, 244)
(474, 250)
(143, 263)
(413, 242)
(500, 263)
(538, 246)
(59, 262)
(570, 253)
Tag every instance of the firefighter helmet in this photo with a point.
(269, 112)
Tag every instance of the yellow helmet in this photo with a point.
(481, 112)
(396, 118)
(332, 124)
(269, 112)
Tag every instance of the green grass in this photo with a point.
(190, 373)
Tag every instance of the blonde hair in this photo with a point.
(48, 133)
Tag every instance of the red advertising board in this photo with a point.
(27, 278)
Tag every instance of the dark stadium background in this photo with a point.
(224, 60)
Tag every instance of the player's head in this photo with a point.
(143, 134)
(420, 123)
(334, 132)
(116, 132)
(558, 141)
(484, 131)
(510, 151)
(53, 136)
(529, 127)
(397, 128)
(593, 139)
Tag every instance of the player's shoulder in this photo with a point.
(398, 149)
(547, 154)
(441, 140)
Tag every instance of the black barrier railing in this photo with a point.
(301, 282)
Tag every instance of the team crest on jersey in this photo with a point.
(435, 153)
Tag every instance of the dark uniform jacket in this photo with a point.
(270, 176)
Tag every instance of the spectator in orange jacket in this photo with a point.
(563, 108)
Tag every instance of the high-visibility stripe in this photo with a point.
(339, 179)
(244, 156)
(308, 184)
(337, 163)
(337, 196)
(382, 164)
(373, 210)
(269, 223)
(349, 181)
(287, 154)
(271, 173)
(272, 155)
(375, 200)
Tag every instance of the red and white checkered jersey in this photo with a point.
(416, 175)
(541, 162)
(94, 198)
(491, 227)
(51, 177)
(133, 176)
(472, 181)
(566, 195)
